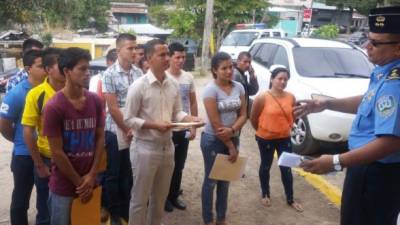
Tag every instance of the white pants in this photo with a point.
(152, 168)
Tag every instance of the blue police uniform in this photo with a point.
(379, 111)
(371, 193)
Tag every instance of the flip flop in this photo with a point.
(266, 202)
(297, 207)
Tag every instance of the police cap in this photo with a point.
(385, 20)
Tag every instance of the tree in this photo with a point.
(183, 22)
(56, 13)
(330, 31)
(227, 13)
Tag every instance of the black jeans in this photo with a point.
(181, 144)
(371, 195)
(25, 177)
(267, 149)
(117, 178)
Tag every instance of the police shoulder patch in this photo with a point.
(4, 108)
(394, 74)
(386, 105)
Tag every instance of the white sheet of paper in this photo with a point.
(289, 160)
(122, 143)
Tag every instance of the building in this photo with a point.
(129, 13)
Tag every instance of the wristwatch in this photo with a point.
(336, 163)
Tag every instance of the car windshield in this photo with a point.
(240, 38)
(331, 62)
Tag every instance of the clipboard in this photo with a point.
(224, 170)
(88, 213)
(188, 124)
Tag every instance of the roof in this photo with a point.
(142, 29)
(281, 9)
(126, 7)
(307, 42)
(319, 5)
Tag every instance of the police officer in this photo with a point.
(371, 192)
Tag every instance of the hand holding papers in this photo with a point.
(291, 159)
(227, 171)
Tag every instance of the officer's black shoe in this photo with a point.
(177, 203)
(168, 206)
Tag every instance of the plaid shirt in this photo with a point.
(16, 79)
(116, 81)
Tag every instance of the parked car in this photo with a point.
(240, 40)
(319, 69)
(358, 38)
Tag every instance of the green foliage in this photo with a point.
(183, 22)
(329, 31)
(158, 15)
(56, 13)
(227, 13)
(47, 39)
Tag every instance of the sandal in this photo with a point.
(297, 207)
(266, 202)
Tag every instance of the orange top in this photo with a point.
(273, 123)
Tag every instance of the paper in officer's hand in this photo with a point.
(223, 169)
(289, 160)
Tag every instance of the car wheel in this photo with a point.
(302, 140)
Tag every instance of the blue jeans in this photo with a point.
(117, 178)
(25, 177)
(210, 147)
(60, 209)
(267, 149)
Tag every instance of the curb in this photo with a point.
(331, 192)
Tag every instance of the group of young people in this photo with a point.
(60, 131)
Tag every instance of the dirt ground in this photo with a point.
(244, 206)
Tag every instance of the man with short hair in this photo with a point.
(371, 193)
(180, 137)
(118, 175)
(242, 68)
(95, 84)
(74, 126)
(37, 144)
(29, 44)
(139, 54)
(11, 128)
(152, 103)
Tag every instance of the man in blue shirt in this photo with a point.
(11, 128)
(371, 191)
(14, 80)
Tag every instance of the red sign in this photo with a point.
(307, 13)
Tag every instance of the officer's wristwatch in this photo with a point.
(336, 163)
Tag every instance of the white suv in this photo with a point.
(240, 40)
(318, 69)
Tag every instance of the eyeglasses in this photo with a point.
(377, 43)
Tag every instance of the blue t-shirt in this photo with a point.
(12, 109)
(379, 111)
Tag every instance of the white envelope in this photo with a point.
(289, 159)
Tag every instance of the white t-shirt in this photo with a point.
(94, 83)
(186, 86)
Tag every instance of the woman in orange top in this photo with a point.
(272, 117)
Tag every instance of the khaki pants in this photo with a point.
(152, 168)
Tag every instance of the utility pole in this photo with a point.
(208, 25)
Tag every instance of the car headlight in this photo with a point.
(320, 97)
